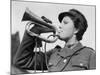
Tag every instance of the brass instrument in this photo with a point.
(38, 21)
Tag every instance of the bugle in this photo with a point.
(38, 21)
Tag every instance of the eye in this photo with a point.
(65, 22)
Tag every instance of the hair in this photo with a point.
(79, 20)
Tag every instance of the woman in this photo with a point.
(74, 56)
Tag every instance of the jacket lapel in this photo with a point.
(65, 52)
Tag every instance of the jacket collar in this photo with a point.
(64, 52)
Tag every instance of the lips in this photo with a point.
(60, 31)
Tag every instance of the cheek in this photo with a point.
(67, 31)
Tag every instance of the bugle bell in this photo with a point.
(38, 21)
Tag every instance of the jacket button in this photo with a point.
(81, 64)
(65, 60)
(50, 64)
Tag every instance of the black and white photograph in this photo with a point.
(52, 37)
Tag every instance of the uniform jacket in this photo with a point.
(58, 59)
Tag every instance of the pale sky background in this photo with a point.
(51, 11)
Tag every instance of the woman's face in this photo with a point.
(67, 29)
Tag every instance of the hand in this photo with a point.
(38, 29)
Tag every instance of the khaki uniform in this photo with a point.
(78, 58)
(59, 59)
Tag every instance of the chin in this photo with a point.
(63, 38)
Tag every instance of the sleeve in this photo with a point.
(50, 52)
(25, 56)
(92, 61)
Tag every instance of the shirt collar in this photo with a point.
(64, 52)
